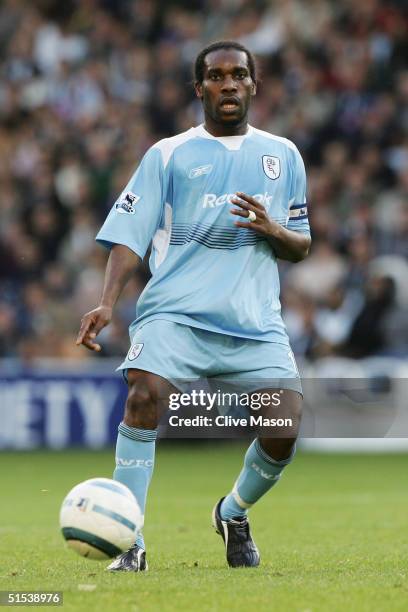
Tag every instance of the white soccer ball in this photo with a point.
(100, 518)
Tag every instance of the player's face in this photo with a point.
(226, 90)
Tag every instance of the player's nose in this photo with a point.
(229, 84)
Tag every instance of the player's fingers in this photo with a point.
(240, 213)
(244, 205)
(90, 344)
(259, 211)
(240, 203)
(85, 325)
(247, 209)
(98, 325)
(249, 199)
(248, 225)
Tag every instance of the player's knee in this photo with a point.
(142, 402)
(279, 449)
(287, 415)
(295, 413)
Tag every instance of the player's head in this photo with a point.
(225, 81)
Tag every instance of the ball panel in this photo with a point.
(119, 518)
(110, 485)
(75, 536)
(103, 527)
(87, 551)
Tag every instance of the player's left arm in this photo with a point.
(293, 241)
(287, 244)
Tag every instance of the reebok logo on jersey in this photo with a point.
(196, 172)
(211, 200)
(126, 203)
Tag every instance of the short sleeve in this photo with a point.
(136, 214)
(297, 211)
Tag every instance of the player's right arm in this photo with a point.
(127, 232)
(121, 263)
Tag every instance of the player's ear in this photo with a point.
(198, 87)
(253, 90)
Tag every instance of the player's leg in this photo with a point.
(135, 449)
(161, 351)
(264, 462)
(267, 456)
(272, 450)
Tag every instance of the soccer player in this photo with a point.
(219, 204)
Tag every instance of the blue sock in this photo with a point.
(135, 462)
(259, 474)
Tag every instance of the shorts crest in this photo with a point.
(135, 351)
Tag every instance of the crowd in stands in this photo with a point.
(88, 85)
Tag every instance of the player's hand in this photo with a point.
(91, 324)
(263, 223)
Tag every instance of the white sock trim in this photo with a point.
(243, 504)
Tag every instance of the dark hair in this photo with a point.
(222, 44)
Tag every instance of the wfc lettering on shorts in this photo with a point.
(211, 200)
(134, 462)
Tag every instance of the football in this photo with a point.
(100, 518)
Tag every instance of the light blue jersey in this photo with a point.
(206, 272)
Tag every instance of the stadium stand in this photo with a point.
(86, 87)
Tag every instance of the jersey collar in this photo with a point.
(233, 143)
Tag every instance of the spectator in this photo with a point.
(88, 86)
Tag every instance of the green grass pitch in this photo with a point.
(333, 534)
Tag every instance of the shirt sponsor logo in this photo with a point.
(135, 351)
(126, 203)
(196, 172)
(211, 200)
(271, 166)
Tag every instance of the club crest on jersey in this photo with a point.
(126, 203)
(196, 172)
(271, 166)
(135, 351)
